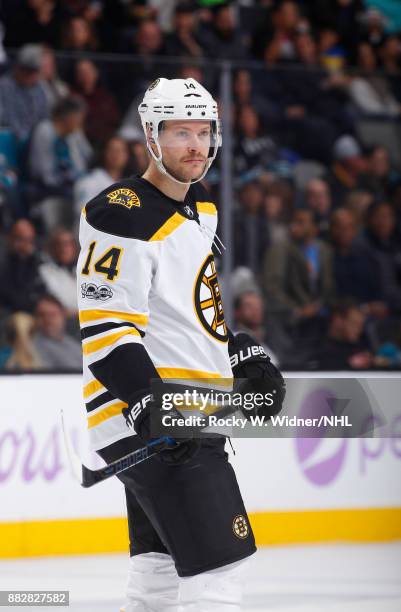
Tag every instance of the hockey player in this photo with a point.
(150, 308)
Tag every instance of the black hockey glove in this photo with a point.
(256, 375)
(145, 416)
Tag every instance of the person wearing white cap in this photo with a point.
(23, 101)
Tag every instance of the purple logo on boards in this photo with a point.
(324, 470)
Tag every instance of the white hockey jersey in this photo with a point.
(146, 274)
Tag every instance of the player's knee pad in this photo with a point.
(217, 590)
(152, 584)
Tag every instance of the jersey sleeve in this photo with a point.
(114, 280)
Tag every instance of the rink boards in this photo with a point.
(296, 490)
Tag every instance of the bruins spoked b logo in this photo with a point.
(208, 303)
(240, 527)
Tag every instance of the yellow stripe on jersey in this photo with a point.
(206, 207)
(92, 387)
(96, 345)
(86, 316)
(105, 414)
(168, 227)
(185, 373)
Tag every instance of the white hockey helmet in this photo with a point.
(172, 99)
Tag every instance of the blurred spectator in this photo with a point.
(345, 346)
(79, 35)
(380, 176)
(58, 271)
(281, 33)
(20, 282)
(18, 352)
(55, 348)
(223, 38)
(112, 168)
(55, 88)
(356, 269)
(59, 154)
(390, 56)
(371, 92)
(381, 239)
(347, 171)
(358, 202)
(34, 21)
(298, 275)
(249, 318)
(245, 95)
(317, 197)
(147, 40)
(275, 216)
(23, 101)
(139, 158)
(254, 150)
(103, 114)
(184, 40)
(250, 231)
(373, 24)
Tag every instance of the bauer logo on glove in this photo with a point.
(254, 374)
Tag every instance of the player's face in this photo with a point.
(185, 148)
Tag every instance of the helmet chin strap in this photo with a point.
(158, 159)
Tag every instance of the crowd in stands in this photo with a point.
(316, 124)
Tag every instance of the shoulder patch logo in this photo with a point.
(125, 197)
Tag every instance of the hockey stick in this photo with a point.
(87, 477)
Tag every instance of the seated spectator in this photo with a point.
(79, 35)
(254, 151)
(112, 168)
(275, 215)
(139, 158)
(18, 352)
(345, 347)
(103, 114)
(223, 38)
(358, 202)
(298, 275)
(59, 154)
(23, 101)
(245, 94)
(356, 269)
(55, 88)
(58, 271)
(55, 348)
(184, 40)
(281, 33)
(249, 229)
(20, 282)
(390, 56)
(317, 197)
(381, 238)
(348, 169)
(249, 318)
(370, 92)
(33, 21)
(380, 176)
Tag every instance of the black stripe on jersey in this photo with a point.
(99, 401)
(92, 330)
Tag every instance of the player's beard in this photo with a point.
(180, 176)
